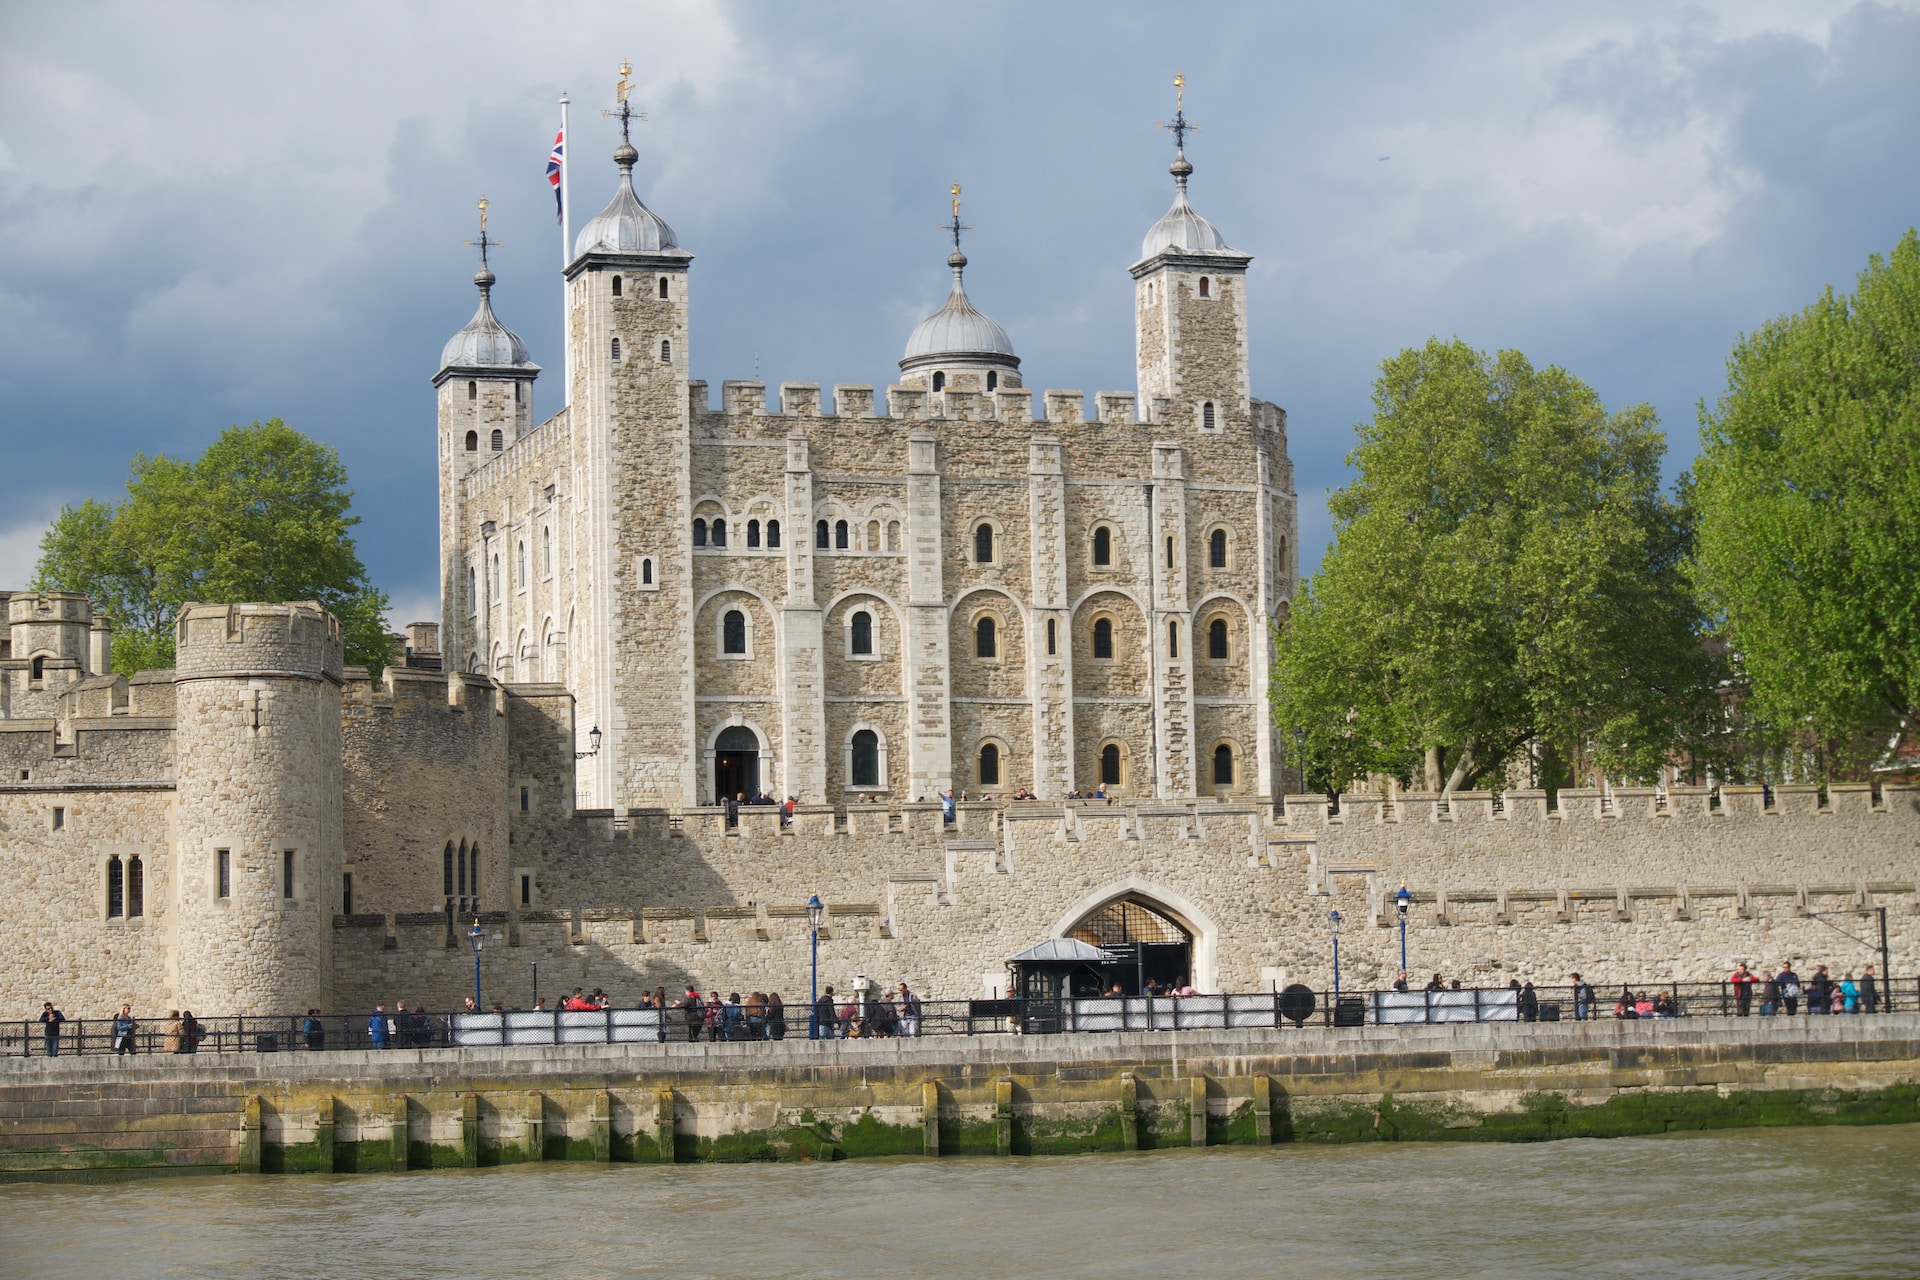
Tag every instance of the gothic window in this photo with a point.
(1205, 288)
(446, 871)
(616, 349)
(773, 535)
(1173, 639)
(839, 535)
(1103, 638)
(989, 765)
(733, 632)
(473, 390)
(1103, 545)
(473, 874)
(460, 868)
(993, 380)
(616, 286)
(983, 544)
(939, 382)
(39, 669)
(473, 442)
(136, 887)
(646, 571)
(1052, 646)
(1206, 416)
(546, 549)
(1110, 764)
(520, 566)
(473, 591)
(753, 533)
(866, 758)
(984, 645)
(861, 641)
(666, 352)
(493, 580)
(286, 873)
(719, 532)
(1217, 549)
(116, 889)
(820, 535)
(699, 532)
(499, 440)
(1217, 639)
(1223, 765)
(663, 286)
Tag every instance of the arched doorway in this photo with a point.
(736, 763)
(1162, 946)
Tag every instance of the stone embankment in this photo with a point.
(414, 1109)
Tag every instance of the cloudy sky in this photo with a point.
(213, 213)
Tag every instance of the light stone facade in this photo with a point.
(262, 830)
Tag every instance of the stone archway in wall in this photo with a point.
(1146, 903)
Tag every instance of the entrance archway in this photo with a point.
(1162, 947)
(736, 763)
(1140, 909)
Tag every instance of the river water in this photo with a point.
(1784, 1202)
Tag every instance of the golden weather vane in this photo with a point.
(954, 226)
(625, 86)
(624, 110)
(1180, 126)
(485, 242)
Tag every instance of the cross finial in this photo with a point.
(485, 242)
(623, 109)
(953, 226)
(1180, 126)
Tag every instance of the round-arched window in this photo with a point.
(1223, 765)
(866, 758)
(861, 641)
(983, 544)
(1217, 639)
(1110, 764)
(733, 632)
(1103, 545)
(985, 644)
(1217, 549)
(989, 765)
(473, 442)
(1103, 637)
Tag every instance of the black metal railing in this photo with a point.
(1271, 1010)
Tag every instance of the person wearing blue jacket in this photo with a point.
(377, 1026)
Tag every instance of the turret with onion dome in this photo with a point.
(485, 346)
(1181, 231)
(959, 347)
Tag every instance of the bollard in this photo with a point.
(930, 1118)
(1129, 1112)
(1003, 1113)
(663, 1126)
(397, 1134)
(470, 1130)
(601, 1124)
(533, 1125)
(1197, 1110)
(249, 1160)
(1262, 1111)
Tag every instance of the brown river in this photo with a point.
(1749, 1203)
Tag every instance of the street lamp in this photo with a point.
(473, 936)
(593, 741)
(1333, 921)
(815, 910)
(1403, 900)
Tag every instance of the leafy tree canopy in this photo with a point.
(261, 515)
(1506, 583)
(1809, 497)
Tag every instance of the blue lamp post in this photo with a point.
(1333, 922)
(815, 910)
(1403, 900)
(473, 936)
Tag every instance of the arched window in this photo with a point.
(473, 874)
(1110, 764)
(616, 286)
(984, 641)
(1223, 765)
(546, 549)
(473, 591)
(983, 544)
(733, 632)
(1173, 639)
(873, 535)
(39, 670)
(939, 381)
(646, 571)
(839, 535)
(893, 535)
(666, 351)
(699, 532)
(520, 566)
(616, 348)
(663, 286)
(136, 887)
(773, 535)
(866, 758)
(116, 889)
(1206, 416)
(473, 442)
(460, 868)
(1217, 639)
(446, 871)
(493, 579)
(753, 533)
(989, 765)
(1217, 549)
(1169, 553)
(499, 440)
(719, 532)
(993, 380)
(1103, 545)
(1052, 644)
(861, 641)
(516, 393)
(1103, 637)
(473, 390)
(1205, 288)
(820, 534)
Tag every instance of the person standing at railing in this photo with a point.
(910, 1009)
(50, 1020)
(191, 1033)
(776, 1017)
(822, 1021)
(1582, 998)
(1820, 991)
(1769, 993)
(1849, 994)
(1742, 981)
(1869, 991)
(124, 1027)
(1529, 1003)
(1789, 988)
(377, 1026)
(174, 1035)
(314, 1031)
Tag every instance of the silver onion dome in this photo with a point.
(1181, 230)
(959, 330)
(626, 225)
(485, 343)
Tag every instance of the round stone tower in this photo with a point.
(257, 810)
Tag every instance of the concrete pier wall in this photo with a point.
(412, 1109)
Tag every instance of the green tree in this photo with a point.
(1507, 580)
(1809, 495)
(261, 515)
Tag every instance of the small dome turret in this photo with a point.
(626, 225)
(1181, 230)
(486, 343)
(959, 330)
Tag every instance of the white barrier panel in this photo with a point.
(1252, 1011)
(1100, 1015)
(584, 1026)
(530, 1028)
(478, 1029)
(631, 1026)
(1202, 1011)
(1391, 1007)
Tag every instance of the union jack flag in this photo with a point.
(554, 161)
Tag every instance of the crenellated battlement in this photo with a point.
(1058, 406)
(1785, 805)
(540, 449)
(297, 639)
(407, 692)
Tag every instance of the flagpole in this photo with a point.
(566, 244)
